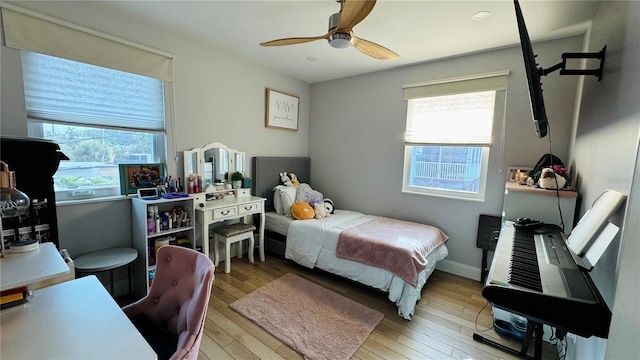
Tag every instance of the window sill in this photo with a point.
(93, 200)
(445, 196)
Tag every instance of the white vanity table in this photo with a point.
(213, 211)
(215, 162)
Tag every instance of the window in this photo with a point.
(448, 135)
(103, 114)
(100, 118)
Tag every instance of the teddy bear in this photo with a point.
(285, 179)
(548, 179)
(320, 211)
(294, 179)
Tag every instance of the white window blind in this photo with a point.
(69, 92)
(456, 111)
(464, 119)
(28, 30)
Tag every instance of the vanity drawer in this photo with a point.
(243, 192)
(249, 208)
(225, 212)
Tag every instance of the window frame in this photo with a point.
(160, 144)
(35, 130)
(452, 194)
(452, 87)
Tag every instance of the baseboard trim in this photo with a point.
(460, 269)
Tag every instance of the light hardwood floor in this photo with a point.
(442, 327)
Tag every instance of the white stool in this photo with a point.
(230, 234)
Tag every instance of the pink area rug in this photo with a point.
(314, 321)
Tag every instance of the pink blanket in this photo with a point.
(400, 247)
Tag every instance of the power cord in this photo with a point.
(555, 178)
(478, 315)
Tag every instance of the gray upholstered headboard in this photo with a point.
(266, 174)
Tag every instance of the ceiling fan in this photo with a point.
(340, 33)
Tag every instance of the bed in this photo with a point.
(326, 243)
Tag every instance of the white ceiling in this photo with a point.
(419, 30)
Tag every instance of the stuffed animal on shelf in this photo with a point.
(285, 179)
(548, 179)
(294, 179)
(320, 211)
(328, 206)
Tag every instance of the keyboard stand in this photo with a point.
(532, 328)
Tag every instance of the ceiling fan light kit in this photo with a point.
(340, 34)
(340, 40)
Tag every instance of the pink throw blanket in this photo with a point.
(400, 247)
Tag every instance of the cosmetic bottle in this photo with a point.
(164, 221)
(190, 186)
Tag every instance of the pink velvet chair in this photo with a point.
(171, 317)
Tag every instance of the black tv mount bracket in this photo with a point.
(564, 71)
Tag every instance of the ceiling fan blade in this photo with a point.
(294, 40)
(352, 12)
(372, 49)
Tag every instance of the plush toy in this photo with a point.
(328, 206)
(294, 179)
(320, 211)
(302, 211)
(285, 179)
(548, 179)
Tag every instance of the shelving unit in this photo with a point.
(539, 204)
(144, 241)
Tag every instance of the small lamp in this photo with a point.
(13, 202)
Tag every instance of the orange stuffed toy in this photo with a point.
(302, 211)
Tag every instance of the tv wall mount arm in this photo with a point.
(564, 71)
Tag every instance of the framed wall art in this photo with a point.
(282, 110)
(137, 176)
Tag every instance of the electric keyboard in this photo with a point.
(535, 275)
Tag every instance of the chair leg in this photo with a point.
(227, 253)
(239, 250)
(216, 251)
(251, 245)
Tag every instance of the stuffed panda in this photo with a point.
(328, 205)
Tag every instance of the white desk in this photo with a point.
(21, 269)
(214, 211)
(76, 319)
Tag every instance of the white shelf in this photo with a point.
(539, 204)
(144, 242)
(162, 233)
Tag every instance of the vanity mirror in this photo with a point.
(214, 162)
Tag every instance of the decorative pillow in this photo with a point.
(287, 198)
(307, 194)
(302, 211)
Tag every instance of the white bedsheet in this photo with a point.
(312, 243)
(277, 223)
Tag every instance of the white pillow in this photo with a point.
(288, 197)
(277, 202)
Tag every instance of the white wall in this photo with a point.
(605, 156)
(357, 141)
(218, 97)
